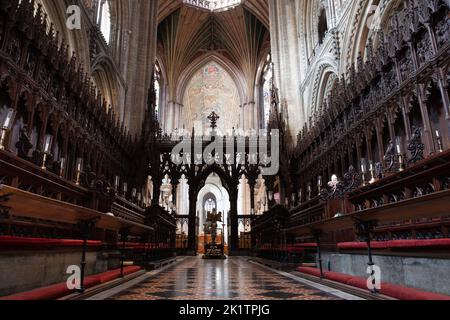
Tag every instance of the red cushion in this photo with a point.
(388, 289)
(308, 270)
(9, 241)
(47, 293)
(57, 291)
(79, 243)
(362, 245)
(306, 245)
(26, 242)
(405, 293)
(338, 277)
(357, 282)
(435, 243)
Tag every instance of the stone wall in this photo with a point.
(421, 273)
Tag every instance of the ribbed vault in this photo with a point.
(188, 34)
(259, 8)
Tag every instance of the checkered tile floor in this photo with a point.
(231, 279)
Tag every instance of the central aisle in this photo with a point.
(234, 278)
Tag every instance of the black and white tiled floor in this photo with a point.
(231, 279)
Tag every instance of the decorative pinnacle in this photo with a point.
(213, 118)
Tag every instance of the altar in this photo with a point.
(213, 249)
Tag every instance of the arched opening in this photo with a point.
(213, 196)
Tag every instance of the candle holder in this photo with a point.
(439, 142)
(116, 183)
(47, 147)
(319, 184)
(2, 138)
(79, 169)
(7, 123)
(372, 172)
(124, 189)
(364, 171)
(62, 167)
(399, 147)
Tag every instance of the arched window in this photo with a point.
(267, 90)
(104, 19)
(210, 205)
(323, 25)
(157, 85)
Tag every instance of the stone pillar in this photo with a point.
(234, 221)
(141, 57)
(192, 220)
(286, 58)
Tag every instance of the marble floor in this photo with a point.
(231, 279)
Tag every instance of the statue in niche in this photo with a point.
(24, 144)
(416, 147)
(390, 157)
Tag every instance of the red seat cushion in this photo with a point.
(405, 293)
(362, 245)
(357, 282)
(427, 243)
(306, 245)
(388, 289)
(10, 241)
(308, 270)
(338, 277)
(57, 291)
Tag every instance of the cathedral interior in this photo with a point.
(224, 150)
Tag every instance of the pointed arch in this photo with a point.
(202, 61)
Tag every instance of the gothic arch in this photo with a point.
(326, 72)
(106, 81)
(203, 176)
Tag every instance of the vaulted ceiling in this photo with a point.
(259, 8)
(239, 35)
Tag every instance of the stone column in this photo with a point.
(192, 220)
(141, 57)
(286, 58)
